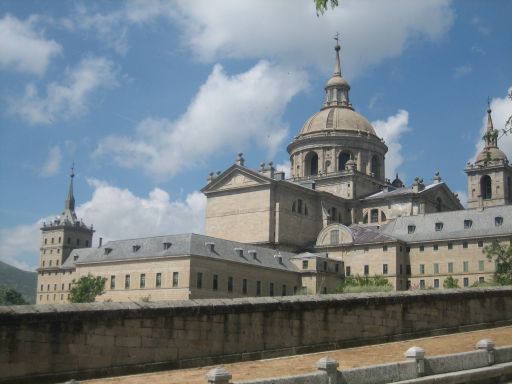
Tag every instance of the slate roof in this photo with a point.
(404, 191)
(483, 225)
(369, 235)
(182, 245)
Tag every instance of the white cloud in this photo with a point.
(462, 71)
(69, 97)
(52, 165)
(22, 48)
(116, 214)
(228, 113)
(370, 31)
(288, 31)
(285, 167)
(392, 130)
(501, 111)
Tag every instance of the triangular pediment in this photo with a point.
(236, 177)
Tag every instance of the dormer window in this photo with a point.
(75, 258)
(239, 252)
(135, 248)
(108, 250)
(167, 245)
(210, 245)
(253, 253)
(411, 228)
(498, 220)
(468, 224)
(439, 226)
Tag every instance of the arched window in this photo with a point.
(375, 167)
(311, 164)
(342, 160)
(486, 187)
(293, 207)
(374, 216)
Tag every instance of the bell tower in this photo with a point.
(59, 238)
(490, 177)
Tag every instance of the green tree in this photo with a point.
(502, 257)
(364, 284)
(450, 282)
(323, 5)
(87, 288)
(9, 296)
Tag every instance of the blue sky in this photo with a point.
(148, 97)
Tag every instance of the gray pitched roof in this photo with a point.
(182, 245)
(404, 191)
(369, 235)
(482, 225)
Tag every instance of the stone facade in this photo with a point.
(337, 208)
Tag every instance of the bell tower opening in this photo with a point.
(486, 187)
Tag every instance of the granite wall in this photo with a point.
(57, 342)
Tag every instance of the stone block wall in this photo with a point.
(56, 342)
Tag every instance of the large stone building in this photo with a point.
(337, 215)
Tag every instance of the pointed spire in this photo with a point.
(491, 135)
(337, 66)
(70, 200)
(336, 89)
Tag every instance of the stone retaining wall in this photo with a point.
(56, 342)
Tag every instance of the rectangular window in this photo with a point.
(384, 269)
(401, 269)
(436, 268)
(465, 266)
(481, 265)
(374, 216)
(408, 269)
(450, 267)
(347, 273)
(335, 234)
(465, 244)
(304, 264)
(199, 280)
(215, 283)
(176, 279)
(244, 286)
(271, 289)
(337, 267)
(230, 284)
(158, 280)
(450, 245)
(258, 288)
(283, 290)
(422, 248)
(366, 270)
(142, 280)
(481, 279)
(325, 265)
(466, 282)
(422, 284)
(113, 282)
(422, 269)
(480, 243)
(384, 248)
(127, 281)
(407, 249)
(436, 283)
(435, 247)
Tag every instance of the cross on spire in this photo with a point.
(72, 170)
(337, 37)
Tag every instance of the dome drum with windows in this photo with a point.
(337, 139)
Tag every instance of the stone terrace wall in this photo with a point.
(56, 342)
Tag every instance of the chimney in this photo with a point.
(101, 242)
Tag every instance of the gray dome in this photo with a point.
(337, 119)
(494, 154)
